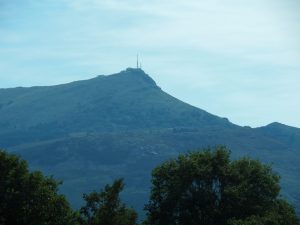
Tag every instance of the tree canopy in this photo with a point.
(201, 187)
(206, 187)
(105, 207)
(30, 198)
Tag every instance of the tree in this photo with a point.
(105, 207)
(206, 187)
(30, 198)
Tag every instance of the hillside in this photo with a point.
(125, 101)
(90, 132)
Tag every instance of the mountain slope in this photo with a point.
(128, 100)
(90, 132)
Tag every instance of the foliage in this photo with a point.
(204, 187)
(208, 188)
(105, 207)
(281, 213)
(30, 198)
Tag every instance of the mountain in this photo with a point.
(125, 101)
(123, 125)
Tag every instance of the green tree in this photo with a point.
(281, 213)
(105, 207)
(30, 198)
(206, 187)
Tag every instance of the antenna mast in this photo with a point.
(137, 61)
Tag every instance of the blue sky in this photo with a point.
(236, 59)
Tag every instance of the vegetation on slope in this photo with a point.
(90, 132)
(201, 187)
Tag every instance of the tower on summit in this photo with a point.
(138, 62)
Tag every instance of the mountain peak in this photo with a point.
(276, 128)
(132, 76)
(136, 70)
(128, 100)
(276, 125)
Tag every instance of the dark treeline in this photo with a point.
(201, 187)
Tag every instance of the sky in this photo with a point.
(236, 59)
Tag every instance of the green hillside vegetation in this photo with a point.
(129, 100)
(200, 187)
(89, 133)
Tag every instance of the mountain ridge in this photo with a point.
(138, 73)
(90, 132)
(99, 104)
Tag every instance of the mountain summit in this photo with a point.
(127, 100)
(89, 132)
